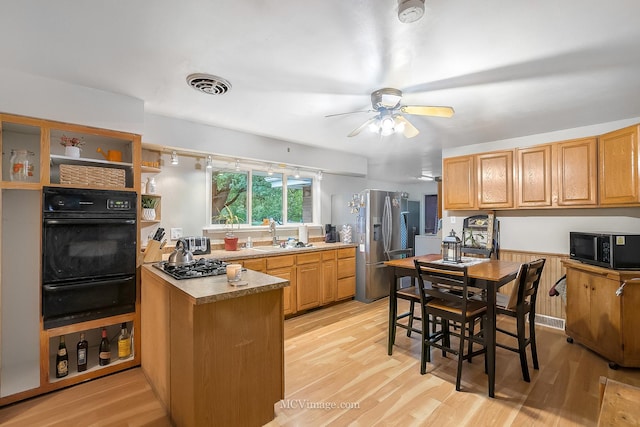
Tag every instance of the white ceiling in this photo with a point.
(508, 68)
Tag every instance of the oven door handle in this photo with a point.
(89, 221)
(61, 287)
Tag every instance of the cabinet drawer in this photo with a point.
(328, 255)
(308, 258)
(280, 261)
(257, 264)
(347, 253)
(346, 288)
(346, 267)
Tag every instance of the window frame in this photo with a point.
(316, 197)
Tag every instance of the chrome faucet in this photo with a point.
(272, 230)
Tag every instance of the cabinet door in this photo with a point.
(606, 322)
(534, 176)
(308, 285)
(289, 292)
(495, 180)
(619, 167)
(579, 305)
(459, 182)
(329, 277)
(576, 171)
(257, 264)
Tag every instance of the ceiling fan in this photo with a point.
(389, 118)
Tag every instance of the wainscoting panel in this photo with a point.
(553, 270)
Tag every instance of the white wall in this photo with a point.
(547, 230)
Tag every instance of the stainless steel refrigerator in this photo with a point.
(381, 226)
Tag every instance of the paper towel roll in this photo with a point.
(303, 234)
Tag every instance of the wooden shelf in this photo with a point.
(58, 159)
(149, 169)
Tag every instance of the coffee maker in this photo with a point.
(330, 234)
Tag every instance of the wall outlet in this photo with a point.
(176, 233)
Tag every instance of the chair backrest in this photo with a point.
(443, 281)
(398, 254)
(526, 286)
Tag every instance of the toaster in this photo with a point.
(199, 245)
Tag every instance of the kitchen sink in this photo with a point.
(277, 248)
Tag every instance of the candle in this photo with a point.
(233, 272)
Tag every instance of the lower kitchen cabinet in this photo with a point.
(602, 311)
(308, 283)
(346, 273)
(285, 268)
(329, 277)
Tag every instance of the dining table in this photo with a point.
(489, 275)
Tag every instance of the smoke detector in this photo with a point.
(209, 84)
(410, 10)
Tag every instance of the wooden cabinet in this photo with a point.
(459, 179)
(346, 273)
(308, 283)
(495, 179)
(534, 176)
(27, 350)
(285, 268)
(329, 277)
(577, 172)
(598, 317)
(618, 161)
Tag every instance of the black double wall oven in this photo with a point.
(88, 254)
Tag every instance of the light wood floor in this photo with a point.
(337, 356)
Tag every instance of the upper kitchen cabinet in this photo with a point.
(577, 166)
(39, 152)
(495, 179)
(22, 140)
(618, 161)
(534, 176)
(459, 182)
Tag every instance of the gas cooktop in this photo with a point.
(203, 267)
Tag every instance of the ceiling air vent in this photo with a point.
(208, 84)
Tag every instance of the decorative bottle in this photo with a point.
(62, 359)
(124, 343)
(21, 165)
(82, 350)
(104, 357)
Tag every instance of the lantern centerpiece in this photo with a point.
(452, 248)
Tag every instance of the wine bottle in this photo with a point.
(83, 348)
(104, 357)
(62, 359)
(124, 343)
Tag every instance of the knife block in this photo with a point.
(152, 252)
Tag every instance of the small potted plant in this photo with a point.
(149, 208)
(231, 222)
(71, 145)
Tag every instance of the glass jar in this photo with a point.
(21, 165)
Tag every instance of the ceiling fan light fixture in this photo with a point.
(410, 10)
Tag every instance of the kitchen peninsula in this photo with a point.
(213, 352)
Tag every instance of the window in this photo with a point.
(257, 196)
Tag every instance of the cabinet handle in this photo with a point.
(620, 290)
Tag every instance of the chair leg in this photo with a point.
(472, 327)
(460, 356)
(411, 311)
(522, 348)
(532, 340)
(446, 338)
(425, 351)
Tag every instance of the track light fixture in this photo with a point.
(297, 173)
(209, 162)
(270, 170)
(319, 175)
(237, 165)
(174, 158)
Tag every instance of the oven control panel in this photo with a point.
(118, 205)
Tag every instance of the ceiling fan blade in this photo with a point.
(409, 130)
(425, 110)
(350, 112)
(361, 127)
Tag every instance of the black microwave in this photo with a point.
(619, 251)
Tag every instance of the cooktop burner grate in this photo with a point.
(203, 267)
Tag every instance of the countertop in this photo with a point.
(216, 288)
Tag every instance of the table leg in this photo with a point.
(393, 309)
(490, 337)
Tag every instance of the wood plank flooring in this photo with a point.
(337, 372)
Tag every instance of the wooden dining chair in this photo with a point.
(404, 292)
(446, 300)
(521, 305)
